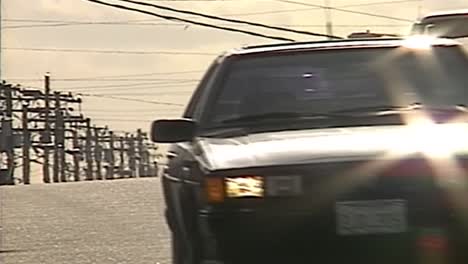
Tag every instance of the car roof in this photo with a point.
(448, 13)
(332, 44)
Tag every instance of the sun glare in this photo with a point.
(423, 42)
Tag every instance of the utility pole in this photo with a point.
(122, 157)
(131, 155)
(146, 163)
(61, 141)
(46, 140)
(97, 154)
(328, 18)
(26, 145)
(111, 156)
(56, 153)
(76, 156)
(141, 155)
(47, 114)
(419, 12)
(7, 134)
(88, 154)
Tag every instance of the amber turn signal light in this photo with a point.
(214, 189)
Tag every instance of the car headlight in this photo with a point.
(244, 186)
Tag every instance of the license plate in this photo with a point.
(371, 217)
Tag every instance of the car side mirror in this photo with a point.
(173, 130)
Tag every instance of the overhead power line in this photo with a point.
(46, 25)
(130, 110)
(138, 22)
(122, 114)
(191, 0)
(122, 120)
(345, 10)
(150, 89)
(59, 23)
(181, 25)
(22, 20)
(231, 20)
(129, 99)
(191, 21)
(154, 81)
(318, 8)
(133, 21)
(157, 89)
(144, 74)
(136, 52)
(129, 85)
(112, 77)
(129, 92)
(110, 80)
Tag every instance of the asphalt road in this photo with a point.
(104, 222)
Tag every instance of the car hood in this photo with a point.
(332, 144)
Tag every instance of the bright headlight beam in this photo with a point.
(421, 42)
(433, 140)
(244, 186)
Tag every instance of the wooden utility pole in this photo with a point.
(131, 155)
(97, 154)
(328, 18)
(76, 156)
(26, 145)
(122, 157)
(88, 153)
(56, 154)
(62, 157)
(53, 115)
(141, 155)
(46, 140)
(111, 158)
(7, 134)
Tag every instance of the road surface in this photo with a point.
(104, 222)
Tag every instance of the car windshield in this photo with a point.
(332, 80)
(447, 27)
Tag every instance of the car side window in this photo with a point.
(193, 109)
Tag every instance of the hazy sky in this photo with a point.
(160, 77)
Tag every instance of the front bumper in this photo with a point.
(303, 228)
(299, 237)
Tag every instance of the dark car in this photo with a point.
(350, 151)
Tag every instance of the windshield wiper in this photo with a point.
(278, 116)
